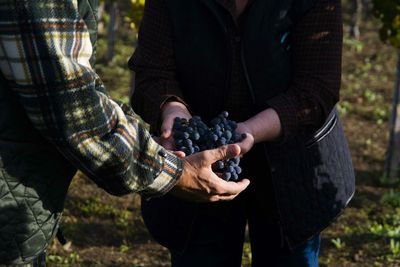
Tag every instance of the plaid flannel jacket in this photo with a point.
(45, 50)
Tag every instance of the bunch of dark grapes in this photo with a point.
(193, 135)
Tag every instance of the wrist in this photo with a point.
(265, 126)
(184, 183)
(174, 105)
(246, 127)
(174, 109)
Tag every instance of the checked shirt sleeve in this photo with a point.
(45, 50)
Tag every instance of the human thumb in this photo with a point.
(166, 129)
(225, 152)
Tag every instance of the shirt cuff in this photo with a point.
(169, 176)
(173, 98)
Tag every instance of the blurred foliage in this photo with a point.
(135, 13)
(388, 11)
(132, 9)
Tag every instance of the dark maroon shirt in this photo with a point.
(316, 43)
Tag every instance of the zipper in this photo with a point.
(283, 237)
(250, 88)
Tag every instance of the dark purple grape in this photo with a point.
(201, 131)
(232, 124)
(214, 138)
(188, 142)
(196, 118)
(193, 135)
(222, 141)
(231, 169)
(234, 176)
(238, 169)
(227, 134)
(215, 121)
(220, 165)
(227, 176)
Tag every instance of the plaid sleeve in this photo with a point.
(44, 55)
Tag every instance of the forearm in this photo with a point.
(265, 126)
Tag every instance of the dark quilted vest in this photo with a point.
(312, 175)
(34, 177)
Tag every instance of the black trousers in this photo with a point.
(218, 233)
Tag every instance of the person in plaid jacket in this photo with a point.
(56, 117)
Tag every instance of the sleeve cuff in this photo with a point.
(169, 176)
(173, 98)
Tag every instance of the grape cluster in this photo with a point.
(193, 135)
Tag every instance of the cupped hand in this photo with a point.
(199, 183)
(169, 112)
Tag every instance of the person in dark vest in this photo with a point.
(275, 66)
(56, 117)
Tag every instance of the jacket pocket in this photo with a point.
(328, 126)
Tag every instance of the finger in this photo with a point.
(222, 198)
(246, 138)
(167, 143)
(166, 133)
(166, 127)
(244, 145)
(179, 154)
(229, 196)
(233, 188)
(222, 153)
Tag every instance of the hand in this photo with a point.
(179, 154)
(248, 141)
(169, 112)
(200, 184)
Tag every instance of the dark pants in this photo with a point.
(40, 261)
(218, 232)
